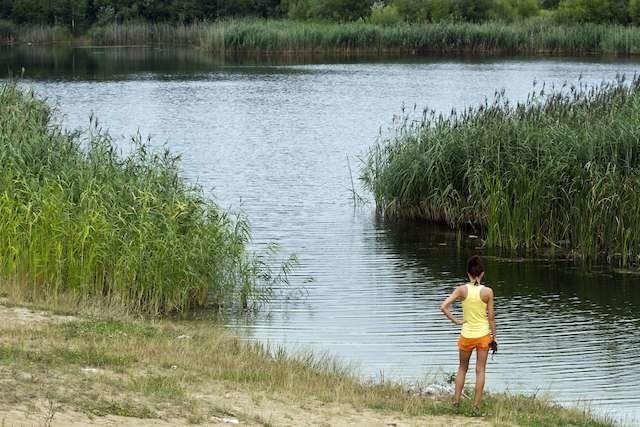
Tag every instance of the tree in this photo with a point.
(334, 10)
(385, 15)
(550, 4)
(474, 10)
(598, 11)
(634, 11)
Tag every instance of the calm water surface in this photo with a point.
(271, 138)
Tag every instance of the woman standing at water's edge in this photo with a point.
(478, 326)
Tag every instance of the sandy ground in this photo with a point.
(19, 316)
(256, 407)
(275, 415)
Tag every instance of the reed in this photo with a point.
(40, 34)
(77, 217)
(555, 173)
(536, 35)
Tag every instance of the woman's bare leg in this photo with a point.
(460, 376)
(481, 364)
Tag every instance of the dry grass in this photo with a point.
(198, 372)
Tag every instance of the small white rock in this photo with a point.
(89, 370)
(23, 376)
(174, 367)
(183, 337)
(230, 420)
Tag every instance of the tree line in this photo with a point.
(81, 14)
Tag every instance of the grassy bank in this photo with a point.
(77, 219)
(555, 173)
(534, 36)
(197, 372)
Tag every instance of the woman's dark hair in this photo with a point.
(474, 266)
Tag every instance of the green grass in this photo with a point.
(557, 173)
(78, 218)
(533, 36)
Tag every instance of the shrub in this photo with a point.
(385, 15)
(508, 10)
(474, 10)
(7, 31)
(634, 11)
(439, 10)
(333, 10)
(597, 11)
(412, 10)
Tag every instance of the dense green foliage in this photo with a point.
(532, 36)
(77, 218)
(79, 15)
(559, 171)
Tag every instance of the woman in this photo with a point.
(478, 326)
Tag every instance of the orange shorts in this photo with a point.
(468, 344)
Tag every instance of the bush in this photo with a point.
(509, 10)
(526, 8)
(7, 31)
(634, 11)
(411, 10)
(385, 15)
(333, 10)
(474, 10)
(439, 10)
(598, 11)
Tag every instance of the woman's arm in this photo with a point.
(491, 315)
(444, 307)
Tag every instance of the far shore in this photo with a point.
(285, 37)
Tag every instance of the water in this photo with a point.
(272, 137)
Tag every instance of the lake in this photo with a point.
(275, 138)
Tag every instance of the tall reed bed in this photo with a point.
(77, 218)
(532, 36)
(35, 34)
(559, 171)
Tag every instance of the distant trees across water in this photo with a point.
(78, 15)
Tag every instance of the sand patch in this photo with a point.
(20, 316)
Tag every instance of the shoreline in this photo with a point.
(77, 366)
(284, 37)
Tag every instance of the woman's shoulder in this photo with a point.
(486, 291)
(462, 290)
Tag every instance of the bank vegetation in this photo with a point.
(555, 174)
(78, 217)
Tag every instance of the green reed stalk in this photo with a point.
(554, 172)
(536, 35)
(76, 217)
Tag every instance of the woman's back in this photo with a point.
(474, 313)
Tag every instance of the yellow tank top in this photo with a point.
(474, 314)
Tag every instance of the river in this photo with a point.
(271, 138)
